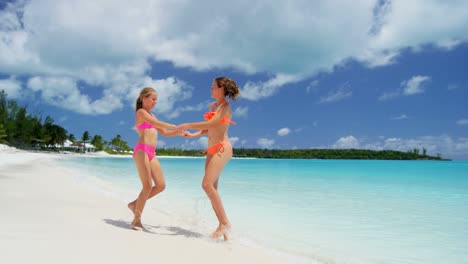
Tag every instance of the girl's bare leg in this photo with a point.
(158, 179)
(213, 167)
(143, 166)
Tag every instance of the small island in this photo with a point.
(313, 154)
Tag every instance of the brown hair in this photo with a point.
(230, 87)
(145, 92)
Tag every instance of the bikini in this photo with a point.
(222, 143)
(218, 147)
(225, 120)
(148, 149)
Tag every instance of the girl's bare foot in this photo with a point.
(137, 225)
(222, 230)
(131, 206)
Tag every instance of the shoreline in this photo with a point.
(48, 214)
(403, 155)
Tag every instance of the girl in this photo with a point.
(144, 153)
(219, 150)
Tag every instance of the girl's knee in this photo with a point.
(161, 186)
(146, 188)
(206, 185)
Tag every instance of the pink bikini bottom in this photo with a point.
(148, 149)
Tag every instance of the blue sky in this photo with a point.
(313, 74)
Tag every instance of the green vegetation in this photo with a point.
(3, 134)
(20, 129)
(23, 130)
(333, 154)
(312, 154)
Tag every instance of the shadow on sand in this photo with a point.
(159, 230)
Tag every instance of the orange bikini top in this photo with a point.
(225, 120)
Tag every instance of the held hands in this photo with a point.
(180, 128)
(182, 131)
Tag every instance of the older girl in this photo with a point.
(219, 150)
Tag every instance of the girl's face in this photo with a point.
(217, 92)
(150, 101)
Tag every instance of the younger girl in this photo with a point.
(144, 153)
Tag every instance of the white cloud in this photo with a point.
(265, 143)
(339, 94)
(203, 142)
(400, 117)
(241, 111)
(414, 85)
(243, 142)
(284, 131)
(462, 122)
(234, 140)
(177, 111)
(63, 119)
(446, 146)
(170, 91)
(256, 91)
(63, 92)
(451, 87)
(110, 46)
(388, 96)
(199, 143)
(162, 144)
(12, 87)
(405, 24)
(312, 87)
(348, 142)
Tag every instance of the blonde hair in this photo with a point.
(230, 87)
(145, 92)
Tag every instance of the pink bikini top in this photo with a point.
(225, 120)
(146, 125)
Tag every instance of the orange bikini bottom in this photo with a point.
(218, 147)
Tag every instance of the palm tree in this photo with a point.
(57, 135)
(3, 134)
(98, 142)
(117, 142)
(85, 138)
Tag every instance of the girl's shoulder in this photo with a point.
(212, 107)
(142, 111)
(224, 107)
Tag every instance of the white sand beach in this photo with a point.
(49, 217)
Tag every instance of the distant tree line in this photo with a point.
(20, 129)
(334, 154)
(312, 154)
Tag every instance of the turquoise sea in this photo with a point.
(315, 211)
